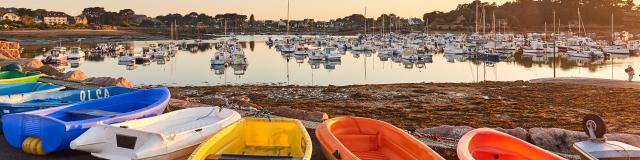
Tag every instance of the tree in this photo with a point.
(93, 14)
(125, 16)
(252, 20)
(110, 18)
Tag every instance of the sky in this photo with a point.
(262, 9)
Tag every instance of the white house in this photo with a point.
(53, 18)
(10, 16)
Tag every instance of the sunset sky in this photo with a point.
(263, 9)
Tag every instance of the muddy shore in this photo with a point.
(422, 105)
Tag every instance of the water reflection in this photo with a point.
(190, 65)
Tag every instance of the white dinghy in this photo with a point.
(168, 136)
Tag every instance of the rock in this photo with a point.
(109, 81)
(452, 132)
(5, 56)
(516, 132)
(630, 139)
(285, 111)
(49, 70)
(32, 64)
(76, 75)
(123, 82)
(218, 101)
(9, 50)
(243, 102)
(555, 139)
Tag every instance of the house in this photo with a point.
(53, 18)
(36, 19)
(414, 21)
(81, 19)
(460, 19)
(9, 16)
(8, 10)
(282, 23)
(138, 18)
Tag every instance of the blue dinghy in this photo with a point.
(28, 88)
(10, 104)
(48, 130)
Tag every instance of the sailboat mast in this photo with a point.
(365, 20)
(554, 21)
(579, 22)
(426, 25)
(288, 17)
(383, 24)
(495, 34)
(175, 26)
(613, 35)
(477, 3)
(484, 20)
(171, 28)
(493, 26)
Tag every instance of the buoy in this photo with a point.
(32, 145)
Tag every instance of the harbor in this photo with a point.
(287, 80)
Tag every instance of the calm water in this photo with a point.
(191, 67)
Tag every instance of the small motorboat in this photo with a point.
(11, 77)
(258, 138)
(76, 53)
(485, 143)
(48, 130)
(169, 136)
(25, 89)
(598, 147)
(354, 138)
(29, 102)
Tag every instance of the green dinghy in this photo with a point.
(13, 77)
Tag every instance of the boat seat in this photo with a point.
(248, 157)
(359, 142)
(93, 113)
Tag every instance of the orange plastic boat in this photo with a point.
(354, 138)
(485, 143)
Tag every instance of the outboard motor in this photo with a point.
(598, 147)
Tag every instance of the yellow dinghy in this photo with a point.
(258, 138)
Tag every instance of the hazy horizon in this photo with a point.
(262, 9)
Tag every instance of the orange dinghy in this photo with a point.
(485, 143)
(354, 138)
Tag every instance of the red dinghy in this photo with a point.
(485, 143)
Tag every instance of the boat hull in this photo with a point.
(57, 127)
(29, 102)
(168, 136)
(354, 138)
(487, 143)
(274, 138)
(13, 77)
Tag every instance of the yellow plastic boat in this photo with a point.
(258, 138)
